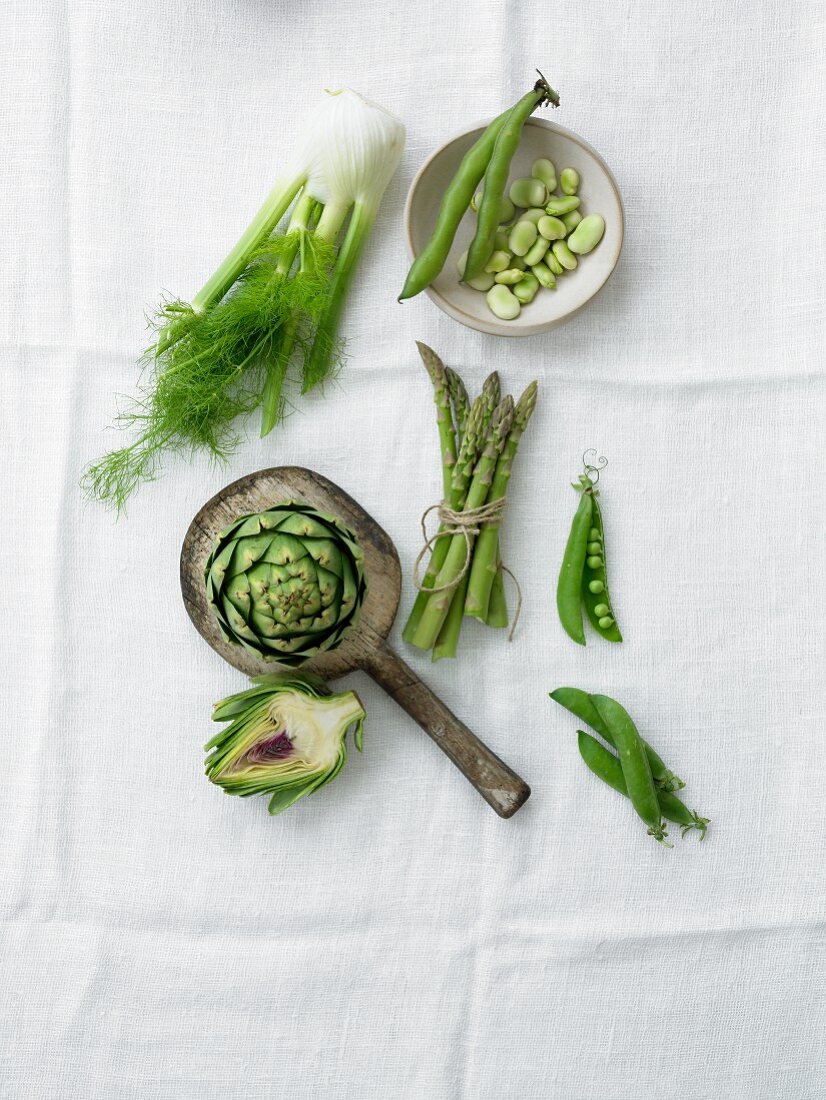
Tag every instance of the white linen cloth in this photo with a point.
(391, 937)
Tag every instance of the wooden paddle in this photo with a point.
(366, 647)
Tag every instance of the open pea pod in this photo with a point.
(595, 595)
(583, 578)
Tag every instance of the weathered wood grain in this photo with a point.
(366, 647)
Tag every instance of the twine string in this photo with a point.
(468, 523)
(504, 569)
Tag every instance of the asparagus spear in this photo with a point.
(497, 605)
(438, 603)
(488, 574)
(472, 439)
(485, 567)
(459, 401)
(444, 417)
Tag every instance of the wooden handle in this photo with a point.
(500, 787)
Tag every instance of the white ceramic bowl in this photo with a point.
(599, 193)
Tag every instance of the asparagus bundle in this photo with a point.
(478, 444)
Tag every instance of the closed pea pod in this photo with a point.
(522, 238)
(568, 595)
(527, 192)
(579, 703)
(608, 768)
(452, 208)
(635, 767)
(543, 169)
(587, 234)
(502, 303)
(564, 255)
(496, 173)
(569, 181)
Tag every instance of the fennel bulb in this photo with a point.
(272, 308)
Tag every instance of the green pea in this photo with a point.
(526, 289)
(498, 261)
(605, 621)
(594, 562)
(509, 277)
(569, 181)
(543, 169)
(503, 304)
(601, 609)
(537, 251)
(572, 220)
(545, 276)
(593, 586)
(532, 215)
(519, 263)
(527, 192)
(551, 228)
(587, 234)
(594, 547)
(506, 208)
(553, 264)
(522, 237)
(564, 255)
(594, 535)
(564, 205)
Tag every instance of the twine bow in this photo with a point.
(469, 523)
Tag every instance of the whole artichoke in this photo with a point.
(286, 583)
(285, 738)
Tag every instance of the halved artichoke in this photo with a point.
(286, 738)
(286, 583)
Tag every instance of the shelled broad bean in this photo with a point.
(543, 235)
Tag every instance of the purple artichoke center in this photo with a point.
(277, 747)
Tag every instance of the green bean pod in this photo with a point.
(569, 585)
(452, 208)
(579, 704)
(607, 767)
(635, 767)
(496, 174)
(598, 604)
